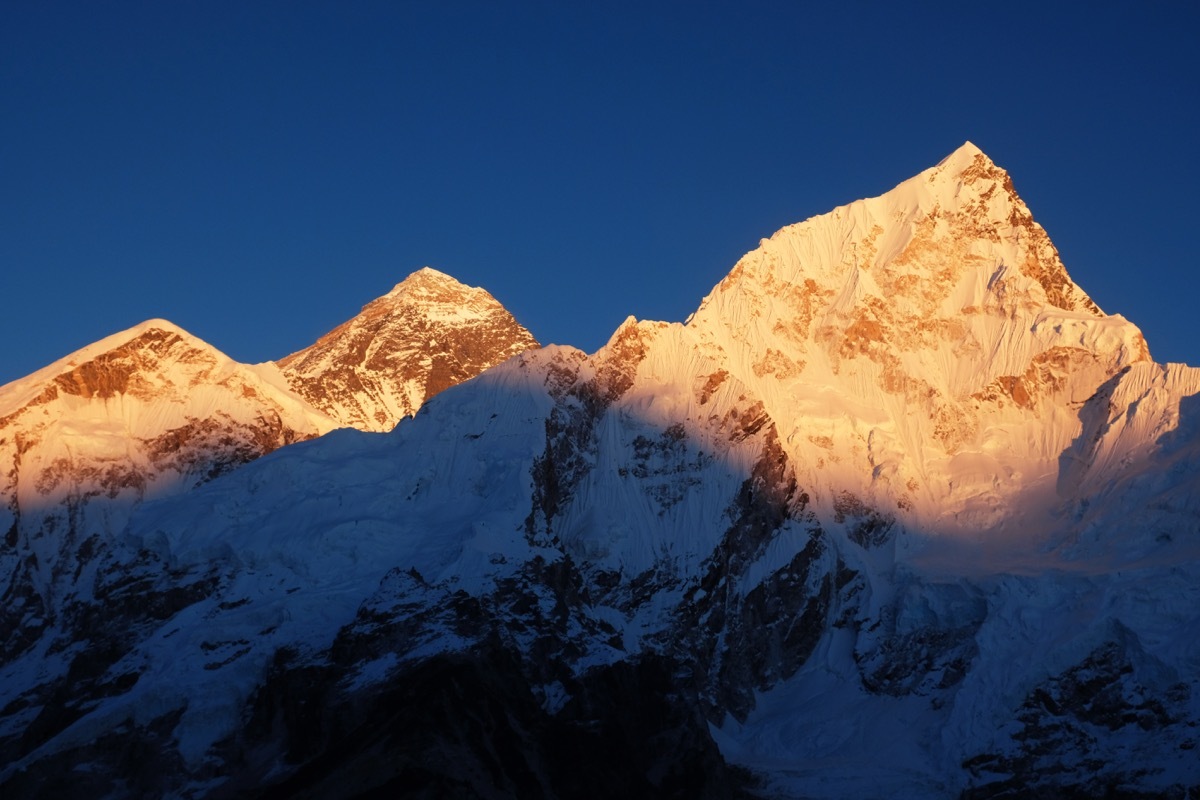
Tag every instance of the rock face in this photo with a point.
(897, 512)
(427, 334)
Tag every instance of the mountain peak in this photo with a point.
(970, 166)
(894, 453)
(160, 324)
(153, 334)
(966, 152)
(425, 335)
(918, 294)
(427, 278)
(139, 331)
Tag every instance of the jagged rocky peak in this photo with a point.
(427, 334)
(945, 262)
(986, 193)
(920, 241)
(956, 219)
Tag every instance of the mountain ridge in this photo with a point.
(141, 414)
(894, 513)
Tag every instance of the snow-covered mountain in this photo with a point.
(146, 412)
(427, 334)
(154, 411)
(898, 512)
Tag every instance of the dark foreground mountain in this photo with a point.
(897, 512)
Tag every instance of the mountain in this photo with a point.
(924, 350)
(146, 412)
(427, 334)
(897, 512)
(154, 411)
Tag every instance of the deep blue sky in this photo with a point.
(256, 172)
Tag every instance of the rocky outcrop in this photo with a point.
(1108, 726)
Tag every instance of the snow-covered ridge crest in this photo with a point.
(18, 392)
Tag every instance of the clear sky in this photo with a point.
(256, 172)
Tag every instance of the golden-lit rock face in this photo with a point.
(426, 335)
(117, 372)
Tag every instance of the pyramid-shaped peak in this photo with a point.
(968, 149)
(968, 160)
(427, 278)
(427, 288)
(158, 324)
(964, 153)
(430, 274)
(428, 333)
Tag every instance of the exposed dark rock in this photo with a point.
(468, 725)
(735, 643)
(381, 365)
(129, 761)
(1061, 748)
(96, 636)
(899, 659)
(571, 427)
(865, 526)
